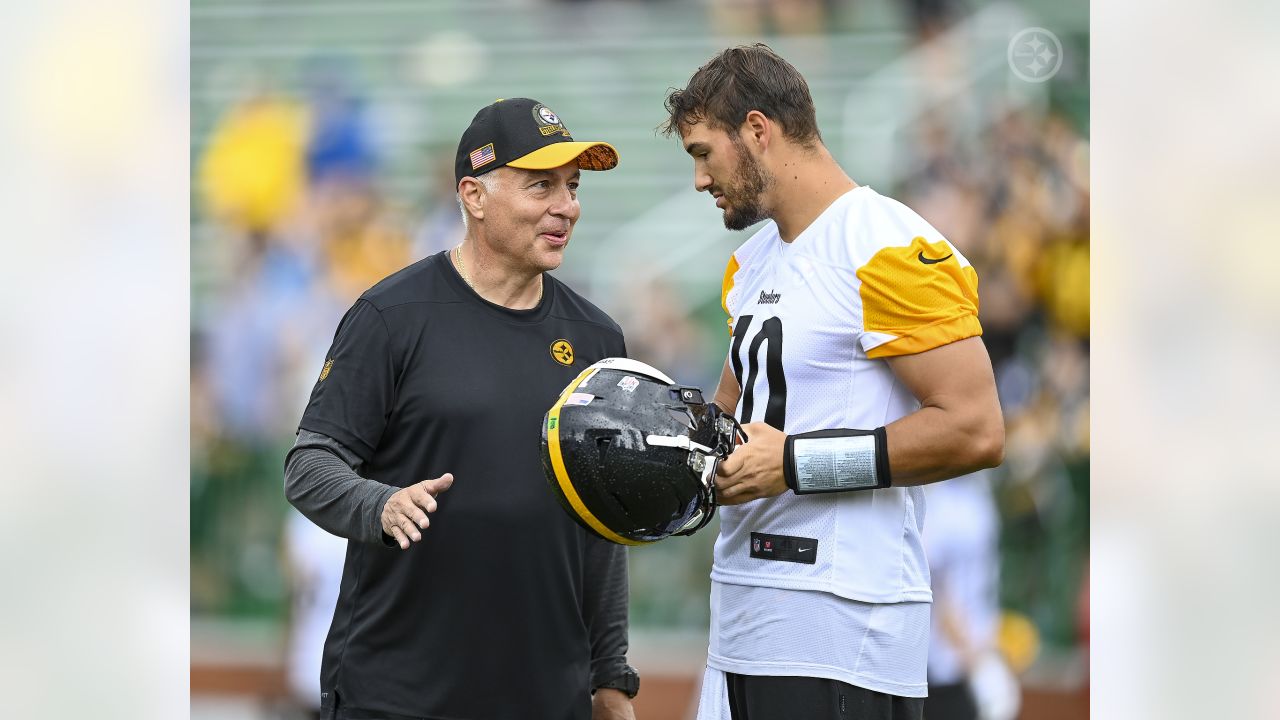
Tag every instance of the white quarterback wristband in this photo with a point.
(836, 461)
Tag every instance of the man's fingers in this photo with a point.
(419, 518)
(401, 540)
(422, 498)
(410, 530)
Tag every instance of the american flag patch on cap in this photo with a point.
(483, 156)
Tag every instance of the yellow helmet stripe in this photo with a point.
(562, 476)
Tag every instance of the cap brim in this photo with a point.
(590, 156)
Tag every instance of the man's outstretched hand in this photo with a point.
(404, 517)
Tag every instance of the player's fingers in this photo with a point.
(728, 486)
(401, 540)
(728, 466)
(732, 496)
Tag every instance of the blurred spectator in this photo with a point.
(1017, 204)
(929, 18)
(762, 17)
(251, 174)
(361, 244)
(968, 679)
(441, 226)
(303, 231)
(339, 144)
(314, 561)
(661, 333)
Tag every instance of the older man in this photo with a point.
(485, 602)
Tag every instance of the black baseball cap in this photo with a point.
(526, 134)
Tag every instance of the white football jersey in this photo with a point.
(812, 321)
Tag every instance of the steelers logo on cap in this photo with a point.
(548, 122)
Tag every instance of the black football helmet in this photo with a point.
(631, 455)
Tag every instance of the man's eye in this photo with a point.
(573, 187)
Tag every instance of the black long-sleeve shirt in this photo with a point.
(506, 608)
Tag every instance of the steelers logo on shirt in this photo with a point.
(562, 351)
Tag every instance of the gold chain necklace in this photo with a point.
(462, 270)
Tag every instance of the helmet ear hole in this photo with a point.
(682, 416)
(602, 439)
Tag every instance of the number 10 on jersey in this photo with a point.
(768, 334)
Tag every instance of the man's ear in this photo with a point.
(472, 192)
(757, 130)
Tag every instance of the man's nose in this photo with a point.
(566, 205)
(701, 181)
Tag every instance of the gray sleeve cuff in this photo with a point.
(322, 482)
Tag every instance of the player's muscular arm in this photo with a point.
(959, 427)
(957, 430)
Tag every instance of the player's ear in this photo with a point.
(471, 191)
(757, 130)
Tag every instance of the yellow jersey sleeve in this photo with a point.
(917, 297)
(725, 286)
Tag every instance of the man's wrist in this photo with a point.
(628, 682)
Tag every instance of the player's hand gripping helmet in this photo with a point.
(631, 455)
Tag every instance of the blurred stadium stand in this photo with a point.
(360, 106)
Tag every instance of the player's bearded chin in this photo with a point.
(743, 207)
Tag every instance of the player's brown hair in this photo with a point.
(739, 80)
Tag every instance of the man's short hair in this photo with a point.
(739, 80)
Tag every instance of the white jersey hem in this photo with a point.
(909, 594)
(829, 672)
